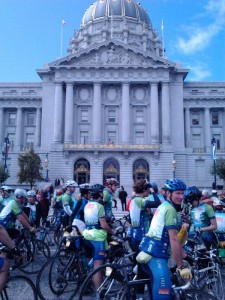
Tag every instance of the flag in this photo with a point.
(213, 151)
(162, 26)
(63, 22)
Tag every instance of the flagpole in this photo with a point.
(61, 40)
(162, 27)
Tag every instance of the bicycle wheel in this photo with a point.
(112, 286)
(196, 295)
(19, 287)
(60, 275)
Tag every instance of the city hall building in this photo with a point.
(115, 107)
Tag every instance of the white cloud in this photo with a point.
(198, 73)
(201, 36)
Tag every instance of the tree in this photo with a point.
(220, 168)
(30, 168)
(3, 176)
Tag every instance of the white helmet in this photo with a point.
(19, 193)
(31, 193)
(71, 183)
(6, 188)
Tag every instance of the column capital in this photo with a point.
(125, 83)
(165, 83)
(97, 83)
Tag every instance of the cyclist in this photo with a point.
(57, 204)
(108, 197)
(4, 266)
(67, 200)
(6, 196)
(96, 229)
(202, 216)
(161, 237)
(33, 209)
(13, 212)
(78, 211)
(140, 218)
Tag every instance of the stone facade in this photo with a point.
(115, 107)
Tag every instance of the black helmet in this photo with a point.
(191, 194)
(96, 189)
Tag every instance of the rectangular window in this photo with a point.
(30, 118)
(218, 140)
(111, 137)
(84, 115)
(11, 140)
(139, 137)
(196, 140)
(139, 116)
(12, 119)
(84, 137)
(195, 119)
(215, 119)
(29, 140)
(112, 116)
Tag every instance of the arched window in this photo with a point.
(82, 171)
(111, 168)
(140, 169)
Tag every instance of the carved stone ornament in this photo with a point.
(113, 56)
(84, 94)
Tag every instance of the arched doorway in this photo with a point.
(82, 171)
(111, 168)
(140, 169)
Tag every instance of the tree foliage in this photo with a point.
(220, 168)
(29, 168)
(3, 176)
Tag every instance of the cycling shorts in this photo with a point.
(98, 250)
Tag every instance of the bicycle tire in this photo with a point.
(19, 287)
(54, 278)
(112, 286)
(196, 295)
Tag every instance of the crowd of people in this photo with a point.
(157, 216)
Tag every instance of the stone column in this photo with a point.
(125, 110)
(187, 127)
(97, 114)
(154, 116)
(69, 114)
(166, 130)
(37, 140)
(1, 125)
(207, 128)
(18, 138)
(58, 113)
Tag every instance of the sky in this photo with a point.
(31, 35)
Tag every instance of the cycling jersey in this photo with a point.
(140, 219)
(201, 216)
(4, 202)
(156, 242)
(108, 198)
(93, 211)
(9, 214)
(68, 200)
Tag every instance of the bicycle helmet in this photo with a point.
(19, 193)
(175, 184)
(154, 186)
(6, 188)
(96, 190)
(71, 183)
(191, 194)
(31, 193)
(111, 181)
(84, 188)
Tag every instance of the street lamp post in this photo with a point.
(174, 167)
(213, 156)
(5, 152)
(46, 161)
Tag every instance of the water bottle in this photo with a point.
(41, 235)
(91, 263)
